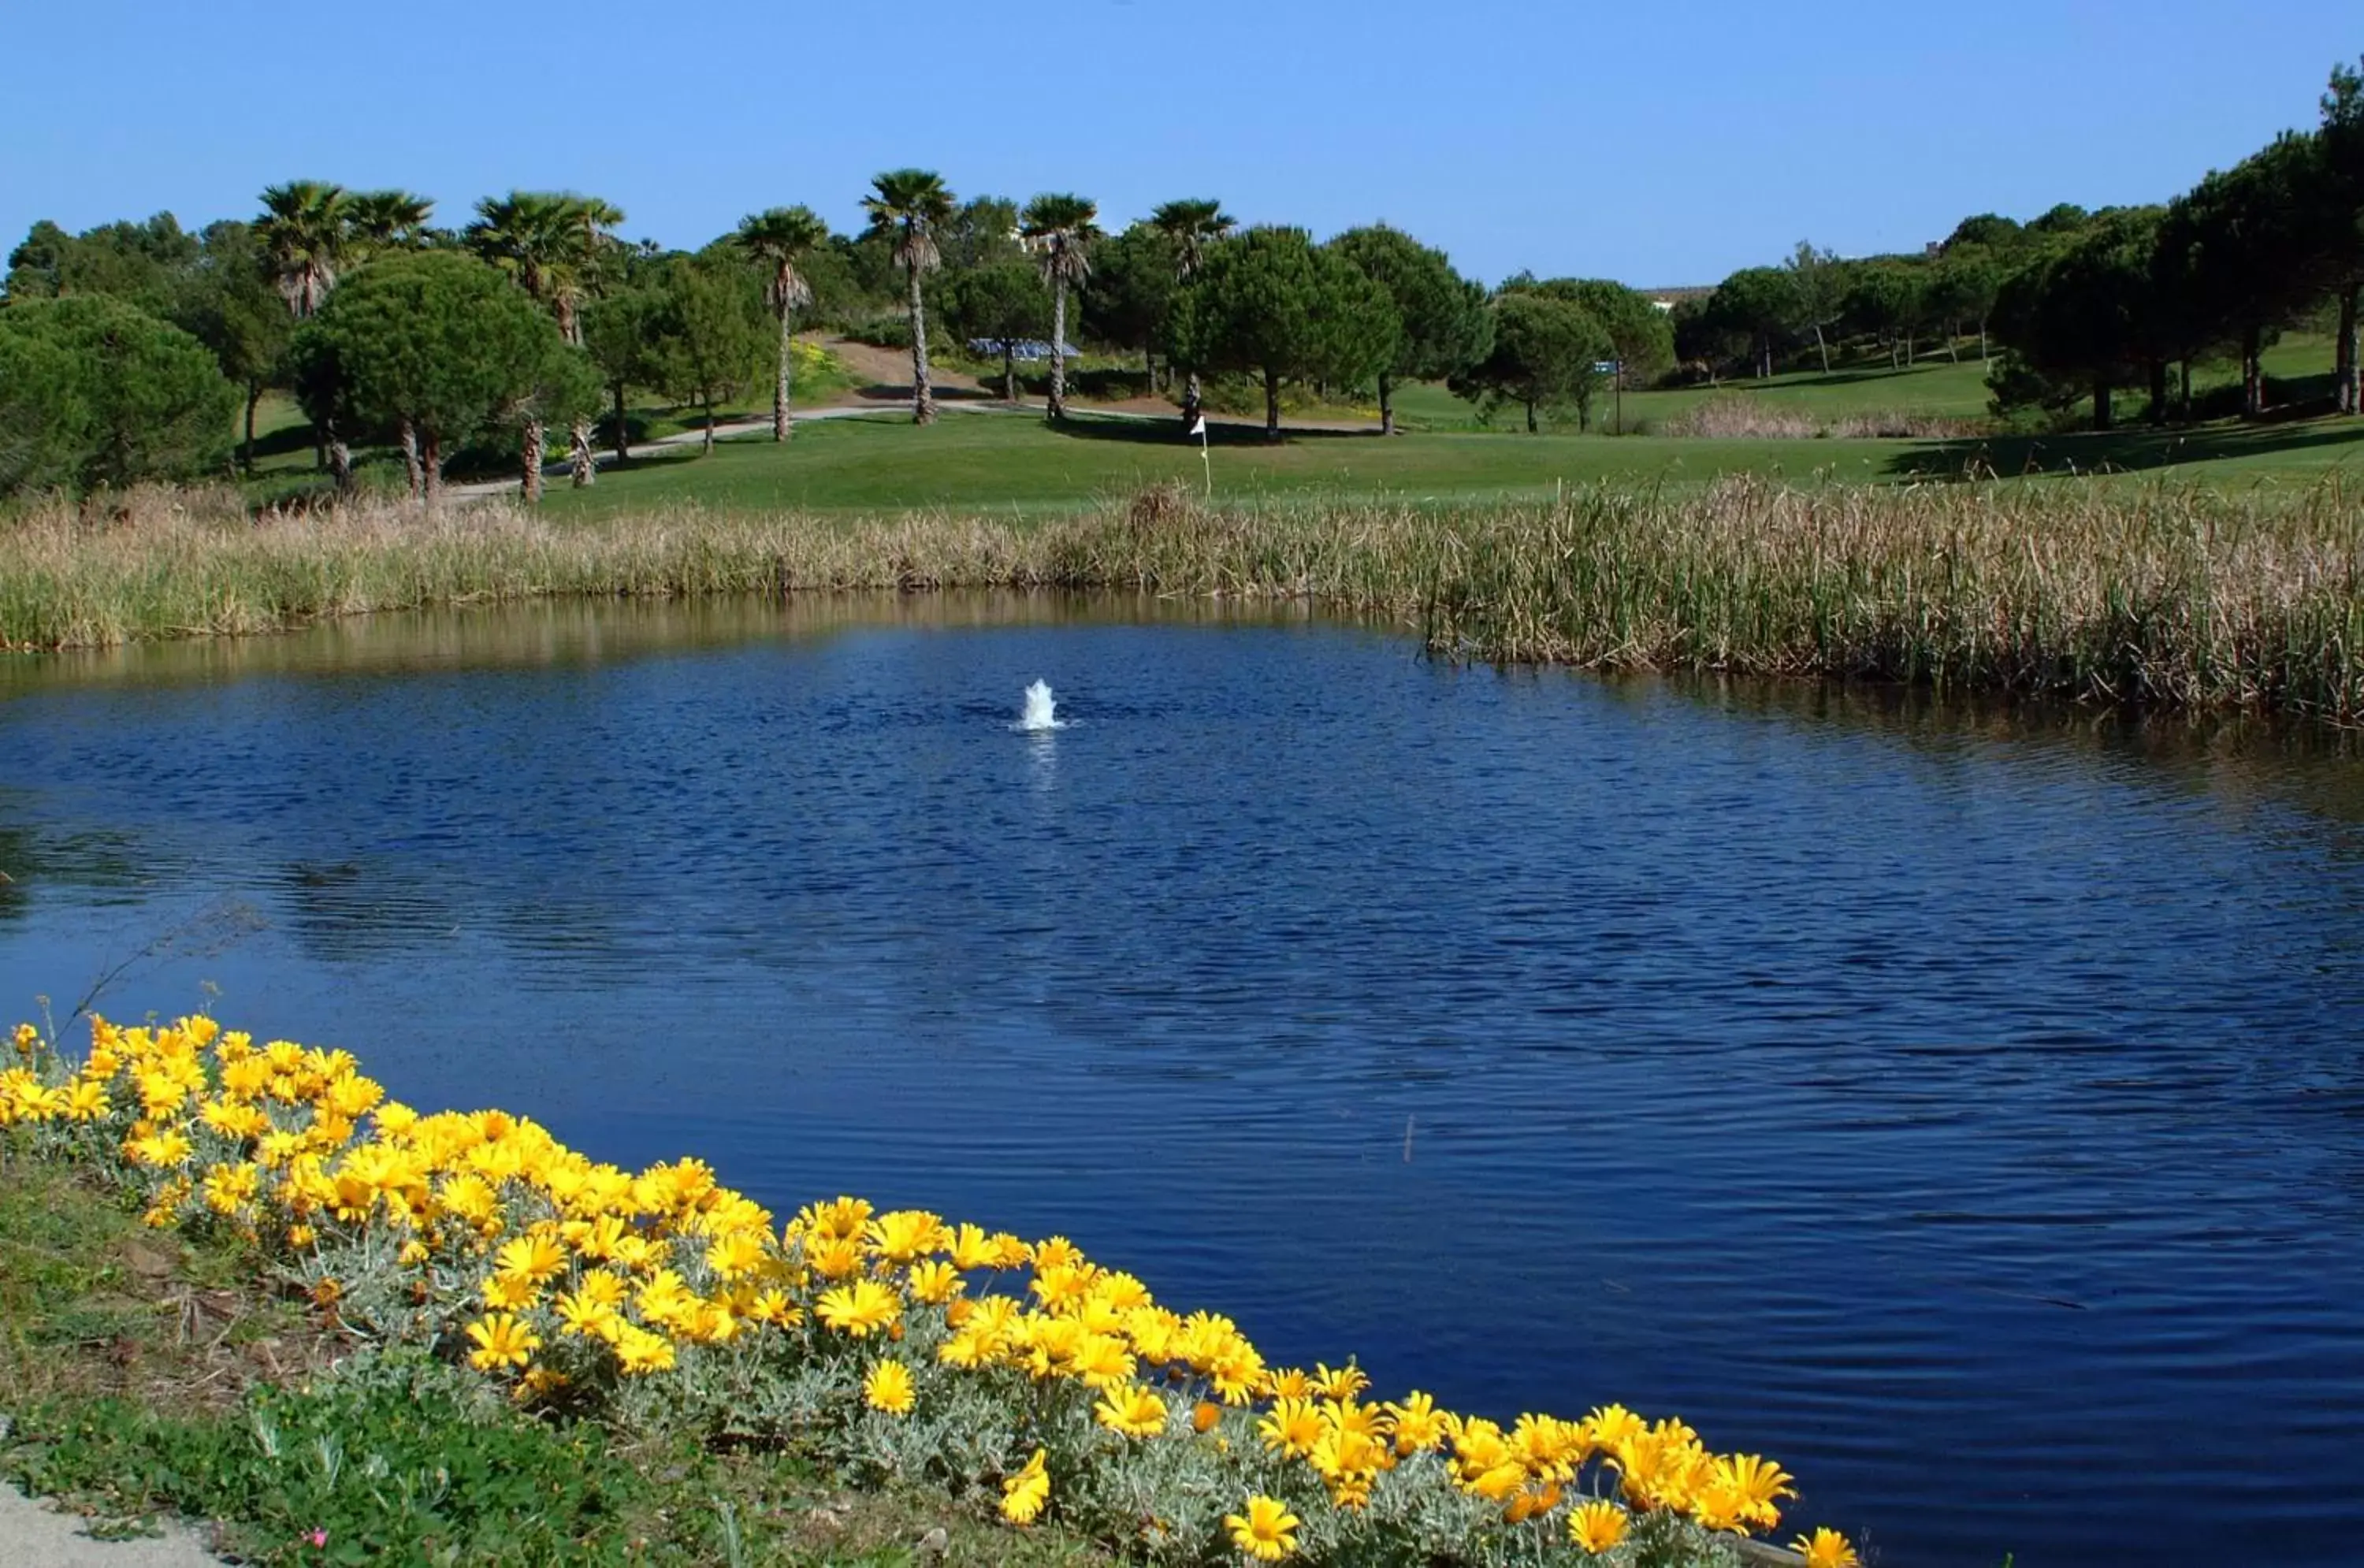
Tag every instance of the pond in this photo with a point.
(1967, 1109)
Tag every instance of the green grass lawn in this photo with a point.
(1002, 463)
(991, 463)
(1933, 386)
(998, 463)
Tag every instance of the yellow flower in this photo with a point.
(934, 1282)
(773, 1306)
(907, 1234)
(1057, 1252)
(1103, 1361)
(1267, 1531)
(1205, 1416)
(1753, 1485)
(1340, 1385)
(162, 1149)
(1597, 1526)
(1611, 1427)
(1419, 1424)
(638, 1352)
(888, 1388)
(738, 1255)
(540, 1258)
(1292, 1428)
(1532, 1503)
(1289, 1383)
(859, 1309)
(86, 1100)
(501, 1341)
(1826, 1547)
(1135, 1412)
(584, 1313)
(972, 1249)
(508, 1292)
(229, 1188)
(1023, 1494)
(839, 1219)
(834, 1257)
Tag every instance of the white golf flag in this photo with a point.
(1198, 425)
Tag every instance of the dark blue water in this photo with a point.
(1968, 1111)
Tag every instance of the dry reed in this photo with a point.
(1735, 416)
(2155, 596)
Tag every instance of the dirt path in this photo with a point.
(33, 1535)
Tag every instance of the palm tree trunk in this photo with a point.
(1271, 406)
(340, 458)
(2253, 380)
(2351, 381)
(623, 436)
(586, 467)
(410, 462)
(1009, 371)
(780, 383)
(1823, 346)
(245, 452)
(923, 396)
(1059, 347)
(1387, 404)
(431, 463)
(535, 443)
(709, 447)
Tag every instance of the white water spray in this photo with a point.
(1042, 710)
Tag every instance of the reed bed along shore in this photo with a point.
(2151, 595)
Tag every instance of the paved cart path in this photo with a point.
(33, 1535)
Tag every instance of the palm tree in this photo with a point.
(1059, 230)
(908, 204)
(305, 239)
(599, 220)
(778, 240)
(379, 221)
(1191, 225)
(550, 243)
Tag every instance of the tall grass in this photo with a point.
(2149, 596)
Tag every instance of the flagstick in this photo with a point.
(1204, 460)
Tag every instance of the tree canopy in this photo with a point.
(1545, 351)
(438, 343)
(100, 393)
(1272, 304)
(1443, 325)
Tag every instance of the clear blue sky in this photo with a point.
(1659, 144)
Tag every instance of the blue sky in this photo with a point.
(1659, 144)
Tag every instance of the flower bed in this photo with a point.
(899, 1345)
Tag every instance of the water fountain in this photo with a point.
(1041, 711)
